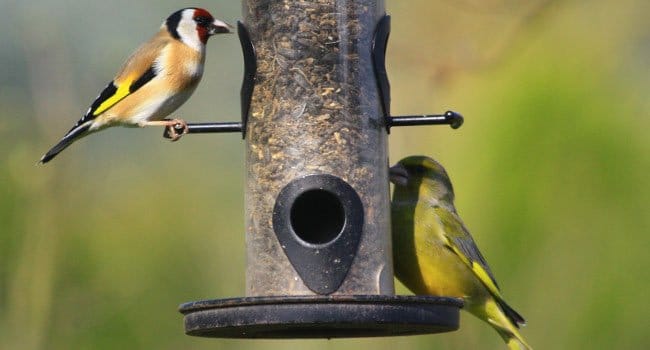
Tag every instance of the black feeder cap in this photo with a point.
(334, 316)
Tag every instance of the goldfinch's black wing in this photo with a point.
(138, 70)
(111, 95)
(116, 91)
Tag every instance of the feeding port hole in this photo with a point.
(317, 216)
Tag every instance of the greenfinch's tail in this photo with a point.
(500, 317)
(515, 318)
(517, 344)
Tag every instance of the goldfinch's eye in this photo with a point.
(203, 21)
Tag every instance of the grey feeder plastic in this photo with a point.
(315, 117)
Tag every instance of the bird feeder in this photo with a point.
(315, 118)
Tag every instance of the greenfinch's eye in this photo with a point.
(420, 169)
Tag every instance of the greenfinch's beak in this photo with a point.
(219, 27)
(398, 175)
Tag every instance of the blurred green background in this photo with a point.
(551, 171)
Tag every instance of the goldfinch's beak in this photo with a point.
(219, 27)
(398, 175)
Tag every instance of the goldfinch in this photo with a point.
(435, 254)
(157, 79)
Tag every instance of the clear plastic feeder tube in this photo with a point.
(315, 111)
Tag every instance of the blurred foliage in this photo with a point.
(551, 172)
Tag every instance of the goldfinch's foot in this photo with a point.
(176, 129)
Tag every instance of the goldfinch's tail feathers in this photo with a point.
(74, 134)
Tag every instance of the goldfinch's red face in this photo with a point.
(193, 26)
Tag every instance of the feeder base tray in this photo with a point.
(339, 316)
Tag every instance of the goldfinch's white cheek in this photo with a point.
(187, 31)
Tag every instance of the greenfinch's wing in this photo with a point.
(460, 242)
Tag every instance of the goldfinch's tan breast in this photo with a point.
(183, 65)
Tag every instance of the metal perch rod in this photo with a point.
(455, 120)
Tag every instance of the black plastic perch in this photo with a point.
(315, 117)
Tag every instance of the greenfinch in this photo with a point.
(434, 252)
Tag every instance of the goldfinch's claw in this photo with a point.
(175, 129)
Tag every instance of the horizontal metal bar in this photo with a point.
(202, 128)
(455, 120)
